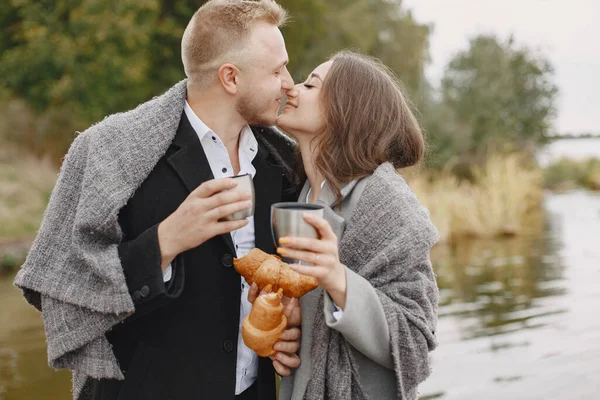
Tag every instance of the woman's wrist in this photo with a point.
(338, 287)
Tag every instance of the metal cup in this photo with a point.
(245, 183)
(287, 220)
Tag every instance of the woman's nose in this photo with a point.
(293, 92)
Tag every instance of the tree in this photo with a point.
(500, 94)
(68, 63)
(381, 28)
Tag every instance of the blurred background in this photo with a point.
(507, 92)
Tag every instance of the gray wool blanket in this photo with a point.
(73, 273)
(387, 241)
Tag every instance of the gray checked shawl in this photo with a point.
(387, 241)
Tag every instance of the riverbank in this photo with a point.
(497, 202)
(25, 186)
(504, 193)
(503, 196)
(569, 174)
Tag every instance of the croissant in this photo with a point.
(265, 323)
(265, 269)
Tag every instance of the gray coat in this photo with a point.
(364, 324)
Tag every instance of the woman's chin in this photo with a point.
(280, 121)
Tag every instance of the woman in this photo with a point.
(369, 327)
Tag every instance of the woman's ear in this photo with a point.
(229, 76)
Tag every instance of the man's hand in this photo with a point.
(288, 345)
(285, 357)
(199, 217)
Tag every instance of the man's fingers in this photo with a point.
(228, 209)
(293, 313)
(289, 307)
(229, 226)
(288, 360)
(213, 186)
(291, 334)
(253, 292)
(226, 197)
(287, 347)
(280, 369)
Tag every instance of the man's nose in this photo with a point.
(287, 83)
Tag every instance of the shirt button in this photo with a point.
(228, 346)
(224, 170)
(227, 260)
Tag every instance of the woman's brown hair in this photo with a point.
(368, 121)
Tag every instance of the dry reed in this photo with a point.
(496, 202)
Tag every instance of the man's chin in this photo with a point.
(262, 121)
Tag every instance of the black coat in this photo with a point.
(181, 343)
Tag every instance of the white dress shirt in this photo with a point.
(243, 239)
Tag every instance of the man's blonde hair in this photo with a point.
(218, 33)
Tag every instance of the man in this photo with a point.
(132, 266)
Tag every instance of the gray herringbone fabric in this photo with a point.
(73, 273)
(387, 241)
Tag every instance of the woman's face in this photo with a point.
(303, 117)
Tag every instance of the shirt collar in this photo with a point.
(200, 127)
(248, 147)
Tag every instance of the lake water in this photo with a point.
(518, 317)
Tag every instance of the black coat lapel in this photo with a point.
(190, 163)
(268, 184)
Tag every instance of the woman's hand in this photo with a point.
(323, 254)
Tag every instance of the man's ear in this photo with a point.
(229, 76)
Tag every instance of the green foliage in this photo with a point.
(8, 263)
(90, 56)
(381, 28)
(493, 94)
(68, 63)
(567, 174)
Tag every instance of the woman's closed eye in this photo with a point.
(308, 86)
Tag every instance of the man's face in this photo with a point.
(265, 78)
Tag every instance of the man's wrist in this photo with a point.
(167, 249)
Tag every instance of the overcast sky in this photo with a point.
(568, 32)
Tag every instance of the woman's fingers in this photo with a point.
(310, 270)
(322, 226)
(306, 256)
(308, 244)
